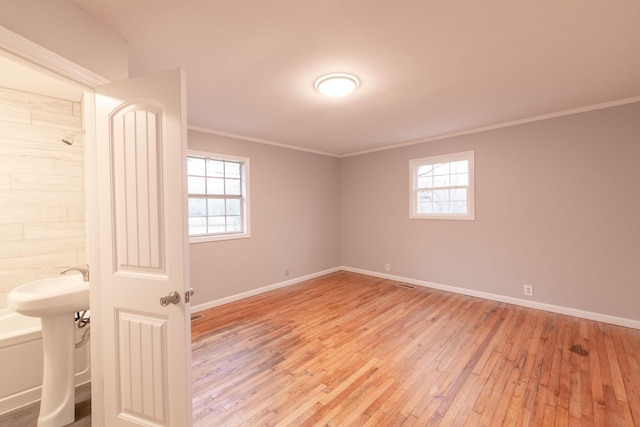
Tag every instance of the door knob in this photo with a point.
(172, 298)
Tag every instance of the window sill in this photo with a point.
(467, 217)
(205, 239)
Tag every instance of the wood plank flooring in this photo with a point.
(347, 349)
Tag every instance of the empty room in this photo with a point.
(340, 213)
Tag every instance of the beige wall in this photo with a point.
(41, 188)
(64, 28)
(294, 221)
(557, 207)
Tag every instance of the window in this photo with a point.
(442, 187)
(218, 187)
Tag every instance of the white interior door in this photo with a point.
(140, 153)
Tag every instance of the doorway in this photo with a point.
(173, 325)
(42, 217)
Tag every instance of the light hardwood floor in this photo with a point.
(348, 349)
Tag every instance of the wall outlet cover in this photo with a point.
(528, 290)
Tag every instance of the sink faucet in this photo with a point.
(84, 270)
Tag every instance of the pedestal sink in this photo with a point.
(55, 300)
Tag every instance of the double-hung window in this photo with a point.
(442, 187)
(218, 187)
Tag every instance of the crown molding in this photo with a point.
(258, 140)
(26, 50)
(594, 107)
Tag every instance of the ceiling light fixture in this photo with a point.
(337, 84)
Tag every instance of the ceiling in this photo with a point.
(427, 68)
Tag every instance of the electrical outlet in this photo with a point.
(387, 267)
(528, 290)
(286, 272)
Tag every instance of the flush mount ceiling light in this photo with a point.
(337, 84)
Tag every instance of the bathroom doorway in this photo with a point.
(42, 222)
(174, 369)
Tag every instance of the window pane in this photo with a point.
(441, 181)
(233, 224)
(232, 186)
(197, 226)
(216, 224)
(215, 168)
(195, 166)
(460, 179)
(425, 201)
(425, 170)
(233, 207)
(232, 169)
(195, 185)
(425, 196)
(440, 207)
(441, 195)
(425, 182)
(197, 207)
(458, 194)
(425, 207)
(215, 207)
(215, 186)
(458, 207)
(441, 169)
(459, 167)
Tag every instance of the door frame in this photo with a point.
(46, 60)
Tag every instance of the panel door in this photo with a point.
(143, 251)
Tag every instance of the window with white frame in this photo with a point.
(442, 187)
(218, 192)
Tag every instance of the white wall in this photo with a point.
(41, 188)
(294, 221)
(64, 28)
(557, 207)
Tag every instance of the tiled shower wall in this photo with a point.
(41, 188)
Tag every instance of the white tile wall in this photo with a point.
(41, 188)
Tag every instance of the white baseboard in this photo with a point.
(620, 321)
(232, 298)
(599, 317)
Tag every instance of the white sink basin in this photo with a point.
(50, 297)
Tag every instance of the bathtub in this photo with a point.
(21, 360)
